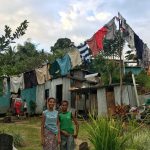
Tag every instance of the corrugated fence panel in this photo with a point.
(40, 98)
(102, 104)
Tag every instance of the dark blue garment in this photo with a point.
(139, 45)
(30, 79)
(54, 69)
(65, 64)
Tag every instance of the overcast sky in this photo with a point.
(74, 19)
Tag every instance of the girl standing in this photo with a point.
(50, 133)
(67, 128)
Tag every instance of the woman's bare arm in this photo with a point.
(76, 124)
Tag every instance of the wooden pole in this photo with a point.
(135, 89)
(121, 84)
(121, 66)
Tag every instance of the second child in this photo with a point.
(67, 127)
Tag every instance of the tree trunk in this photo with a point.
(110, 79)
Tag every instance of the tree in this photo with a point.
(61, 47)
(24, 58)
(113, 48)
(108, 68)
(9, 37)
(117, 48)
(106, 62)
(61, 43)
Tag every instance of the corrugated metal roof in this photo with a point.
(92, 88)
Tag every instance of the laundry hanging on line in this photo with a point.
(84, 52)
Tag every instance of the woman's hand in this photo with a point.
(65, 133)
(75, 136)
(59, 140)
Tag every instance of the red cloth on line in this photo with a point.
(96, 42)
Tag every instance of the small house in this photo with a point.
(101, 100)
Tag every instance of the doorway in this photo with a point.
(59, 89)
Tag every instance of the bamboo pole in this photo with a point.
(135, 89)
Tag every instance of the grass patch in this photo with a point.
(140, 140)
(26, 133)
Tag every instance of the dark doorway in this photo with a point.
(59, 93)
(46, 94)
(73, 100)
(110, 97)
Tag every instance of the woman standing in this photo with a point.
(50, 133)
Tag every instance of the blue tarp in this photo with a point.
(5, 101)
(29, 94)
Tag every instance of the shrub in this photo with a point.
(109, 134)
(140, 140)
(143, 79)
(32, 105)
(106, 134)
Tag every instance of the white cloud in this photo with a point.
(102, 16)
(90, 18)
(67, 20)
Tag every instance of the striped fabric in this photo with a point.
(84, 52)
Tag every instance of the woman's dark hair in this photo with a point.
(50, 99)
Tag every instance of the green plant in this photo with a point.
(143, 79)
(140, 140)
(106, 134)
(32, 105)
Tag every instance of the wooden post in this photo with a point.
(136, 94)
(76, 103)
(121, 65)
(121, 84)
